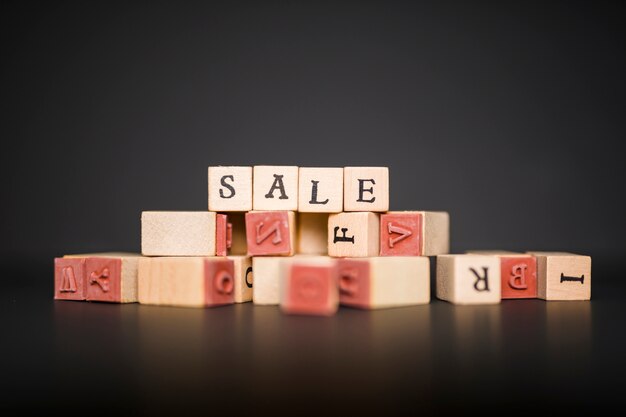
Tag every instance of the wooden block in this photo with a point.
(518, 273)
(312, 234)
(230, 188)
(309, 286)
(109, 277)
(563, 276)
(271, 233)
(186, 281)
(267, 270)
(275, 188)
(353, 234)
(239, 244)
(366, 189)
(372, 283)
(223, 235)
(414, 233)
(468, 279)
(492, 252)
(178, 233)
(320, 190)
(243, 278)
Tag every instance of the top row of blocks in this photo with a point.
(310, 190)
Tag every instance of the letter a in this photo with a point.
(277, 185)
(68, 284)
(404, 233)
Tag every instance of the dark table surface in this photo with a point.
(90, 358)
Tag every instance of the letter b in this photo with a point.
(517, 280)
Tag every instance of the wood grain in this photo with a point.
(178, 233)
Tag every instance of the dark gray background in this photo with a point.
(509, 116)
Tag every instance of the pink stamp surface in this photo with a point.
(519, 277)
(401, 234)
(268, 233)
(103, 279)
(311, 289)
(69, 279)
(223, 235)
(219, 282)
(354, 283)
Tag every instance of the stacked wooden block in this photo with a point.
(309, 239)
(314, 237)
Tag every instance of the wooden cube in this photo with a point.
(178, 233)
(563, 276)
(108, 277)
(414, 233)
(312, 234)
(243, 278)
(271, 233)
(468, 279)
(223, 235)
(230, 188)
(275, 188)
(320, 190)
(309, 286)
(372, 283)
(366, 189)
(353, 234)
(518, 273)
(239, 243)
(186, 281)
(266, 270)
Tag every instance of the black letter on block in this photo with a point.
(580, 279)
(230, 187)
(248, 272)
(277, 185)
(366, 190)
(479, 279)
(342, 238)
(314, 194)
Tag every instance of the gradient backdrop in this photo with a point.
(510, 117)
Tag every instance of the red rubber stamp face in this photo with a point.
(519, 277)
(310, 290)
(219, 284)
(268, 233)
(103, 278)
(401, 234)
(69, 279)
(354, 283)
(223, 235)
